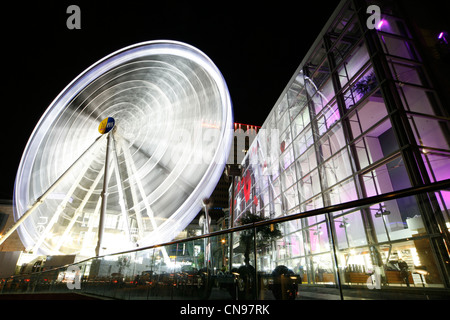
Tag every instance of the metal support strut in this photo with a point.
(104, 198)
(42, 198)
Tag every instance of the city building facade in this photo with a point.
(361, 117)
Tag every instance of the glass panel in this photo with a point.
(301, 121)
(430, 132)
(443, 197)
(398, 47)
(312, 204)
(417, 100)
(353, 64)
(285, 140)
(327, 118)
(309, 185)
(336, 169)
(284, 117)
(243, 262)
(405, 73)
(318, 101)
(376, 144)
(327, 91)
(353, 34)
(342, 192)
(288, 177)
(306, 162)
(287, 158)
(361, 87)
(332, 142)
(277, 209)
(367, 116)
(290, 198)
(303, 141)
(388, 177)
(437, 164)
(278, 272)
(396, 219)
(350, 230)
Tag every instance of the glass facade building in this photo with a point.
(359, 118)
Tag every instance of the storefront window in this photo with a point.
(322, 271)
(397, 219)
(405, 265)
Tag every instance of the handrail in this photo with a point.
(440, 185)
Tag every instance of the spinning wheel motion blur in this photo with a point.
(171, 132)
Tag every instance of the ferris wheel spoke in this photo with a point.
(134, 197)
(80, 209)
(134, 176)
(120, 189)
(63, 204)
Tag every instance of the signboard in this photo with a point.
(106, 125)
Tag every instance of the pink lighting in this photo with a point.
(380, 24)
(443, 36)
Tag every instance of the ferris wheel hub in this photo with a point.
(106, 125)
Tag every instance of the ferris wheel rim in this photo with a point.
(88, 76)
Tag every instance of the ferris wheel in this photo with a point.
(125, 153)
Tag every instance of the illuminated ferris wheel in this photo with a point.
(125, 154)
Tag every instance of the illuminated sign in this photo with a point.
(106, 125)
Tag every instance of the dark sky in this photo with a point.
(257, 49)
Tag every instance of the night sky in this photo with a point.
(257, 49)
